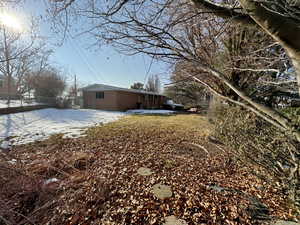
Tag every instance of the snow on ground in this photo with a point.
(149, 111)
(16, 103)
(26, 127)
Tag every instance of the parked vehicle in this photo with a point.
(169, 104)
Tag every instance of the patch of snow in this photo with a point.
(51, 180)
(13, 161)
(17, 103)
(150, 111)
(5, 145)
(36, 125)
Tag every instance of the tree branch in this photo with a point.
(280, 119)
(224, 11)
(275, 123)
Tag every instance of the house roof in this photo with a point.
(103, 87)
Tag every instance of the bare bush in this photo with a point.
(256, 142)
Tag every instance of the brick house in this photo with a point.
(4, 87)
(105, 97)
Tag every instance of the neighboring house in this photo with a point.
(99, 96)
(4, 87)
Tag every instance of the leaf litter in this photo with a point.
(96, 178)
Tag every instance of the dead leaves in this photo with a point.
(108, 177)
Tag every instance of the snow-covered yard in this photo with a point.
(16, 103)
(26, 127)
(35, 125)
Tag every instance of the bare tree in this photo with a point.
(30, 65)
(48, 84)
(185, 90)
(3, 3)
(153, 84)
(257, 64)
(21, 50)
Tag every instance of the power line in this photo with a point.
(93, 74)
(147, 71)
(87, 62)
(81, 55)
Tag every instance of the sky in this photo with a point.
(92, 64)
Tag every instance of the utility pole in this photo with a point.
(75, 89)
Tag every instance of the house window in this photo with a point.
(1, 83)
(99, 95)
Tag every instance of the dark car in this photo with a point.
(169, 104)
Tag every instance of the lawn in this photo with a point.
(141, 169)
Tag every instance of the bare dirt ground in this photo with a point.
(139, 170)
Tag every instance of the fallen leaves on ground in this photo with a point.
(98, 180)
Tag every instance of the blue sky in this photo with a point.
(93, 64)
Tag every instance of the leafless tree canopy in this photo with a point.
(162, 18)
(11, 2)
(153, 84)
(21, 52)
(137, 86)
(152, 27)
(49, 83)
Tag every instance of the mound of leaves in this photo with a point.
(95, 179)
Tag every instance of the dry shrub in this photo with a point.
(61, 164)
(50, 168)
(21, 195)
(25, 198)
(257, 143)
(81, 160)
(82, 199)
